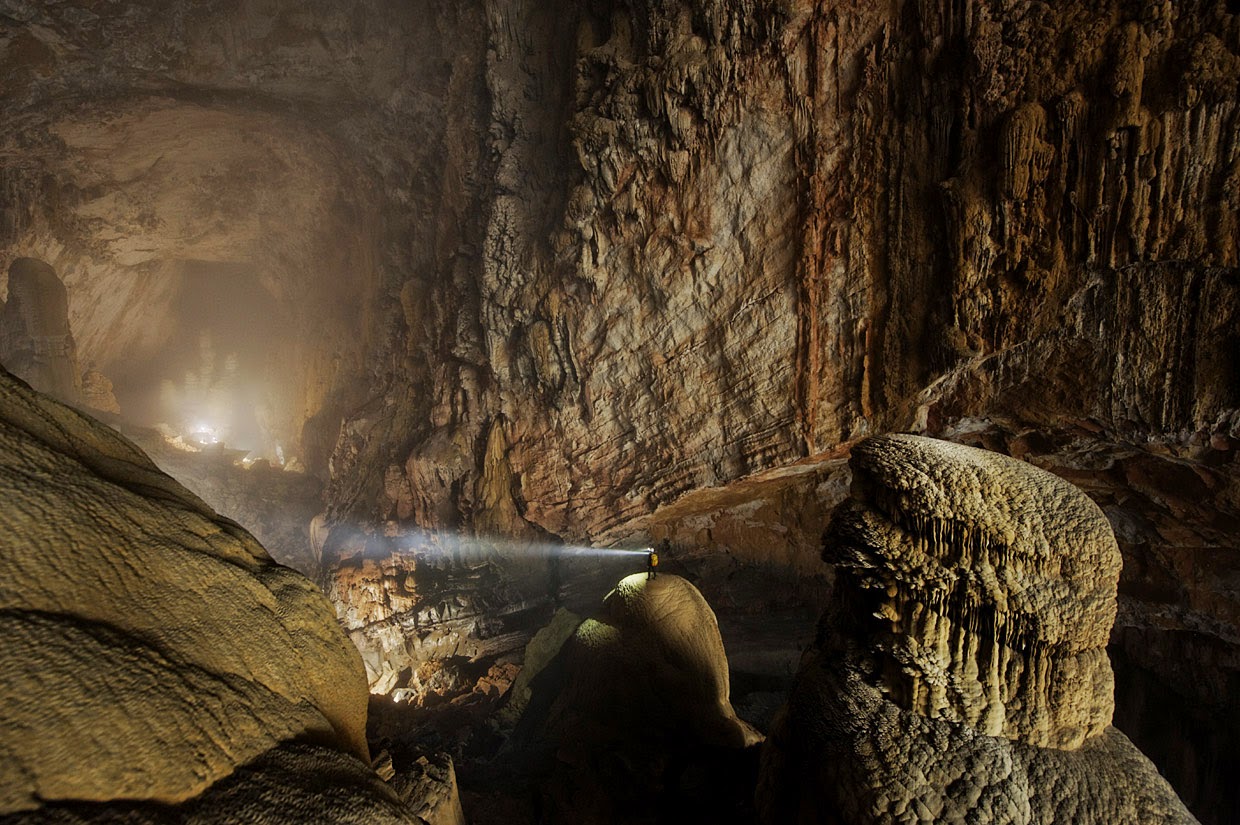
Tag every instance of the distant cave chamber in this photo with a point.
(212, 259)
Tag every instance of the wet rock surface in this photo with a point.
(961, 667)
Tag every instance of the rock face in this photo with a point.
(605, 254)
(154, 654)
(575, 209)
(628, 260)
(634, 708)
(97, 392)
(425, 608)
(1002, 208)
(35, 341)
(962, 667)
(663, 629)
(998, 583)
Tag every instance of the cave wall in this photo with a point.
(146, 139)
(1013, 212)
(555, 265)
(720, 236)
(550, 223)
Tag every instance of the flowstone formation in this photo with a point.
(156, 662)
(961, 673)
(634, 714)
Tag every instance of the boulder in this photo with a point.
(654, 657)
(154, 655)
(632, 719)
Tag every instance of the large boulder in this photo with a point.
(635, 716)
(653, 659)
(153, 653)
(961, 674)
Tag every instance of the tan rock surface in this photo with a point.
(292, 783)
(961, 670)
(652, 658)
(153, 649)
(995, 584)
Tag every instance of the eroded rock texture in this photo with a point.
(961, 672)
(634, 714)
(632, 255)
(998, 582)
(604, 254)
(154, 655)
(431, 613)
(1175, 647)
(1012, 208)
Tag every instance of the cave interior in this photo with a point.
(462, 307)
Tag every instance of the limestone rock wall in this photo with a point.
(891, 277)
(828, 219)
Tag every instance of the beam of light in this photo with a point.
(448, 544)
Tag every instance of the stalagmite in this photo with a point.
(961, 671)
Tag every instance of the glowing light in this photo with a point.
(204, 433)
(432, 543)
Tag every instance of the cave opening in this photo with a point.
(210, 381)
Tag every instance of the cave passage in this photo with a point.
(210, 381)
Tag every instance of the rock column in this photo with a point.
(961, 674)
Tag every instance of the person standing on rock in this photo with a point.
(652, 559)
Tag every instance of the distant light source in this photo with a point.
(204, 434)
